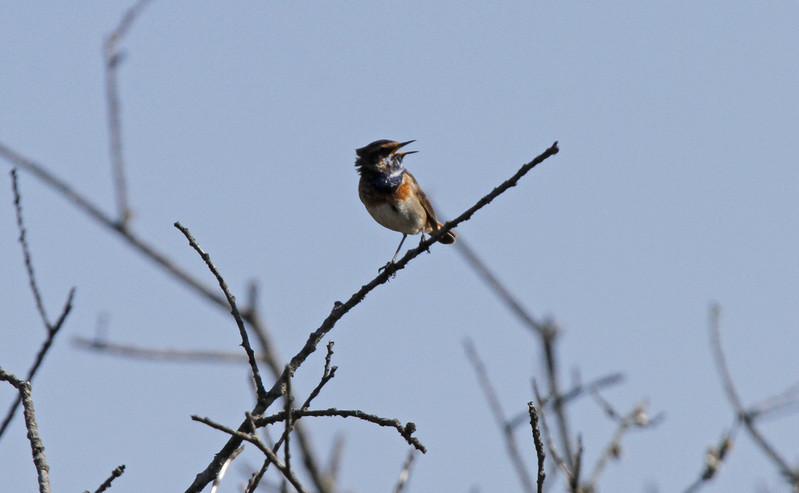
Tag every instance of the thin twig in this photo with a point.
(405, 474)
(497, 286)
(288, 400)
(340, 309)
(37, 447)
(406, 430)
(549, 333)
(245, 340)
(771, 405)
(52, 329)
(107, 483)
(112, 62)
(713, 459)
(37, 362)
(636, 418)
(574, 481)
(26, 251)
(553, 449)
(732, 395)
(255, 440)
(327, 375)
(319, 479)
(160, 354)
(276, 366)
(499, 415)
(576, 391)
(223, 471)
(539, 446)
(336, 454)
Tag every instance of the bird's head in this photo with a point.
(381, 156)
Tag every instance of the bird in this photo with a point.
(391, 194)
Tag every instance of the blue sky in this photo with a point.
(675, 187)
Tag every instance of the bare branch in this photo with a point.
(549, 333)
(245, 340)
(160, 354)
(223, 471)
(637, 418)
(112, 61)
(341, 309)
(104, 219)
(288, 400)
(499, 416)
(322, 483)
(405, 474)
(553, 450)
(107, 483)
(336, 453)
(406, 430)
(771, 405)
(327, 375)
(713, 459)
(576, 391)
(497, 286)
(277, 367)
(574, 481)
(539, 446)
(37, 447)
(37, 362)
(288, 473)
(26, 251)
(732, 395)
(52, 329)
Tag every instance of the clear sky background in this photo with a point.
(676, 186)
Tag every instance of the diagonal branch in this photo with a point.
(288, 473)
(104, 219)
(107, 483)
(405, 474)
(341, 309)
(46, 345)
(245, 340)
(498, 287)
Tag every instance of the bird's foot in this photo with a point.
(389, 264)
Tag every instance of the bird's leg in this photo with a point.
(422, 240)
(398, 249)
(395, 254)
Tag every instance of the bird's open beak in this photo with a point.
(403, 154)
(400, 145)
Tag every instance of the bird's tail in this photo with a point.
(448, 238)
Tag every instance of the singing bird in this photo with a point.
(391, 194)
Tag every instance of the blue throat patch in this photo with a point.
(386, 183)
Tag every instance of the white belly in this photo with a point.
(405, 219)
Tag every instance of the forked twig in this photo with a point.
(743, 416)
(52, 329)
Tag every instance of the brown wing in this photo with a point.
(431, 215)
